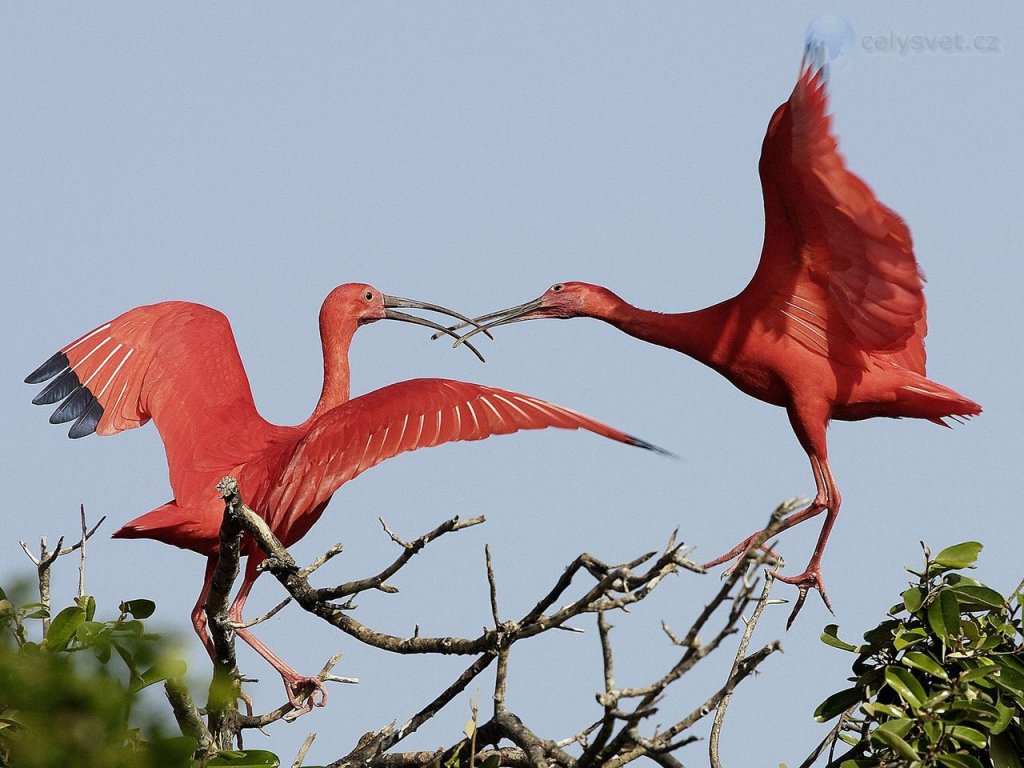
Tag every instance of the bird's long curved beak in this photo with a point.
(392, 302)
(531, 310)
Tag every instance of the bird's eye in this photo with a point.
(557, 287)
(368, 295)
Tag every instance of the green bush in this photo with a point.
(941, 681)
(70, 697)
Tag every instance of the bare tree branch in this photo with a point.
(716, 728)
(47, 558)
(617, 737)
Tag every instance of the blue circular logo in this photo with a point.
(829, 41)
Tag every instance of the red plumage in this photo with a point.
(177, 364)
(831, 325)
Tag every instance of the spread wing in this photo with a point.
(419, 413)
(837, 270)
(173, 362)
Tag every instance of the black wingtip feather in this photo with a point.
(58, 389)
(77, 404)
(49, 369)
(87, 422)
(650, 446)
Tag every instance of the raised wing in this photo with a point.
(174, 362)
(837, 270)
(402, 417)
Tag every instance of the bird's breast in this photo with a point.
(760, 382)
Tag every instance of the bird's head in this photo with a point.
(355, 304)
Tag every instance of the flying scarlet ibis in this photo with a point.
(176, 363)
(832, 324)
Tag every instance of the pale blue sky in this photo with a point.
(253, 156)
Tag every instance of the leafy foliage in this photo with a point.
(68, 698)
(940, 683)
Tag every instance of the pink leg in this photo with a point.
(296, 686)
(199, 611)
(827, 499)
(815, 508)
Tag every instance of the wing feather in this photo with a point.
(174, 362)
(403, 417)
(830, 243)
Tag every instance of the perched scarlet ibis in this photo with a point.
(177, 363)
(832, 324)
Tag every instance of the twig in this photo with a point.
(303, 750)
(501, 674)
(47, 558)
(187, 715)
(608, 700)
(323, 559)
(716, 726)
(81, 558)
(409, 550)
(828, 742)
(261, 618)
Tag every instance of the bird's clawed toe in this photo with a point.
(804, 582)
(304, 693)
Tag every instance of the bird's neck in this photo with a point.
(697, 334)
(336, 342)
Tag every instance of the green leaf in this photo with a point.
(163, 669)
(962, 555)
(944, 615)
(888, 737)
(63, 626)
(249, 758)
(934, 700)
(981, 596)
(909, 637)
(903, 682)
(836, 704)
(978, 673)
(88, 604)
(967, 735)
(139, 609)
(1010, 678)
(96, 637)
(874, 709)
(1003, 753)
(913, 599)
(959, 761)
(491, 762)
(882, 634)
(830, 637)
(1004, 716)
(925, 663)
(133, 628)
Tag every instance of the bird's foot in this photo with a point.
(804, 582)
(741, 549)
(304, 693)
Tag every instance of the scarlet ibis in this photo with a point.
(177, 364)
(832, 324)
